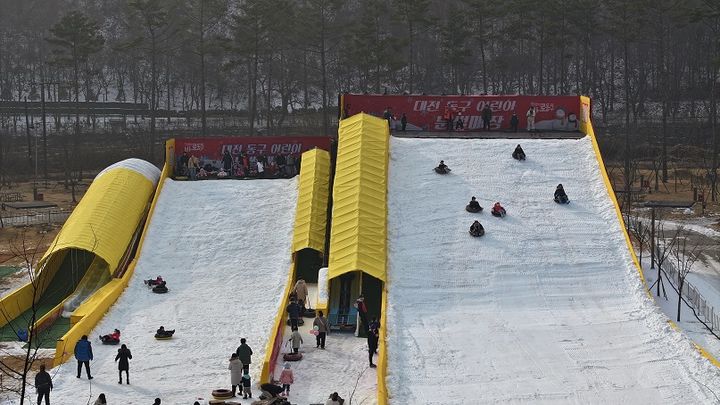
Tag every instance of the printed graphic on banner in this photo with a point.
(469, 113)
(246, 156)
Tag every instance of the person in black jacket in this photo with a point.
(227, 161)
(372, 340)
(294, 311)
(476, 229)
(43, 384)
(486, 117)
(518, 153)
(560, 195)
(244, 353)
(124, 356)
(474, 205)
(514, 121)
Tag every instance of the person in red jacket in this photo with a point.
(498, 210)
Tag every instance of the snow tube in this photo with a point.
(468, 208)
(478, 234)
(222, 393)
(106, 340)
(167, 335)
(300, 322)
(309, 313)
(499, 214)
(518, 156)
(442, 171)
(160, 289)
(292, 356)
(562, 200)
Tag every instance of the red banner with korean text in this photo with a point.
(273, 151)
(466, 113)
(212, 149)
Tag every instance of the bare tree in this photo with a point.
(663, 248)
(640, 231)
(686, 253)
(13, 365)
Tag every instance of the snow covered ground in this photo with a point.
(224, 249)
(547, 307)
(342, 367)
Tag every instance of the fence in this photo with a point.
(692, 295)
(38, 218)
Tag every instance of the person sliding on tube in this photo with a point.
(442, 168)
(498, 210)
(519, 153)
(560, 196)
(111, 337)
(476, 229)
(473, 206)
(161, 332)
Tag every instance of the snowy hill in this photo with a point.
(547, 307)
(223, 248)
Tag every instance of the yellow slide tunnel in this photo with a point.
(92, 249)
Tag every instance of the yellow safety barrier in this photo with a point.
(105, 297)
(587, 128)
(272, 349)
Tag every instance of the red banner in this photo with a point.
(465, 113)
(272, 151)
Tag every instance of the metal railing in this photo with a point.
(38, 218)
(692, 295)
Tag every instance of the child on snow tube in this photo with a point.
(560, 195)
(442, 168)
(476, 229)
(156, 281)
(111, 338)
(518, 154)
(164, 334)
(498, 210)
(473, 206)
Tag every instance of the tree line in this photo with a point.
(268, 60)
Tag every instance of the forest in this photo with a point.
(208, 67)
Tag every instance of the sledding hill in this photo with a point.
(222, 247)
(547, 307)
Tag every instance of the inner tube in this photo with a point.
(478, 234)
(222, 393)
(309, 313)
(498, 214)
(468, 208)
(441, 171)
(292, 356)
(159, 289)
(562, 200)
(110, 341)
(300, 321)
(163, 337)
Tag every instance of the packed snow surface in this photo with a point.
(547, 307)
(224, 249)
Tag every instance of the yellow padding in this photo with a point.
(106, 217)
(313, 195)
(358, 239)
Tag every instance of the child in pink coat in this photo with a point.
(286, 378)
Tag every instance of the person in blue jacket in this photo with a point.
(83, 354)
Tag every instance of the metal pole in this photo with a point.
(44, 129)
(652, 239)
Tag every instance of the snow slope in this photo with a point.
(224, 249)
(547, 307)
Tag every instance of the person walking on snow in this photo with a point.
(286, 379)
(124, 356)
(531, 119)
(322, 329)
(301, 292)
(244, 353)
(83, 355)
(246, 383)
(372, 341)
(43, 385)
(236, 372)
(294, 312)
(296, 340)
(362, 310)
